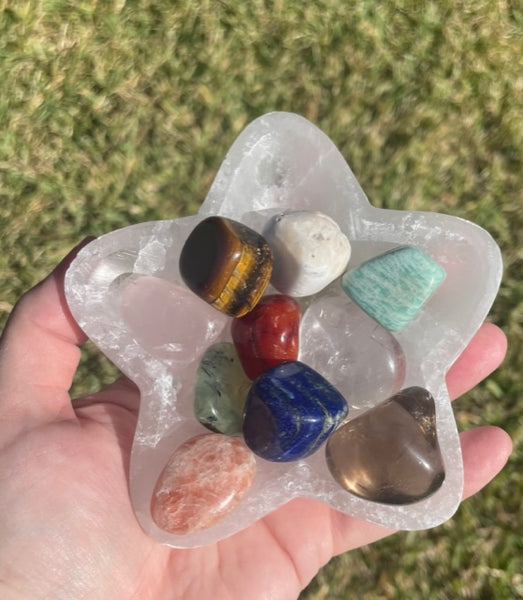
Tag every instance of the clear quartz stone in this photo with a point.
(368, 366)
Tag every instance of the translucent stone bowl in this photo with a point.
(125, 291)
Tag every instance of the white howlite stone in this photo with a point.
(310, 251)
(126, 292)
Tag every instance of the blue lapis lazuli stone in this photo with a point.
(290, 411)
(392, 287)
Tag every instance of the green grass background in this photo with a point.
(117, 112)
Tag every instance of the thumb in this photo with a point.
(39, 352)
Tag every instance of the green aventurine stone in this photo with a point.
(393, 286)
(221, 389)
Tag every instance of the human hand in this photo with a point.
(68, 530)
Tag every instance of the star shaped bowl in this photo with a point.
(126, 292)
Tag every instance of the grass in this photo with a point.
(117, 112)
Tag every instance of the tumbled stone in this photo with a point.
(268, 335)
(393, 286)
(390, 454)
(290, 411)
(362, 359)
(221, 389)
(151, 306)
(203, 481)
(310, 251)
(227, 264)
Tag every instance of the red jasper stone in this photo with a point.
(268, 335)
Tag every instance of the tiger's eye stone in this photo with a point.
(203, 481)
(268, 335)
(227, 264)
(221, 389)
(390, 454)
(392, 287)
(290, 411)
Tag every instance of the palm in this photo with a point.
(65, 498)
(80, 495)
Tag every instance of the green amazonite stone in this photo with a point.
(392, 287)
(221, 390)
